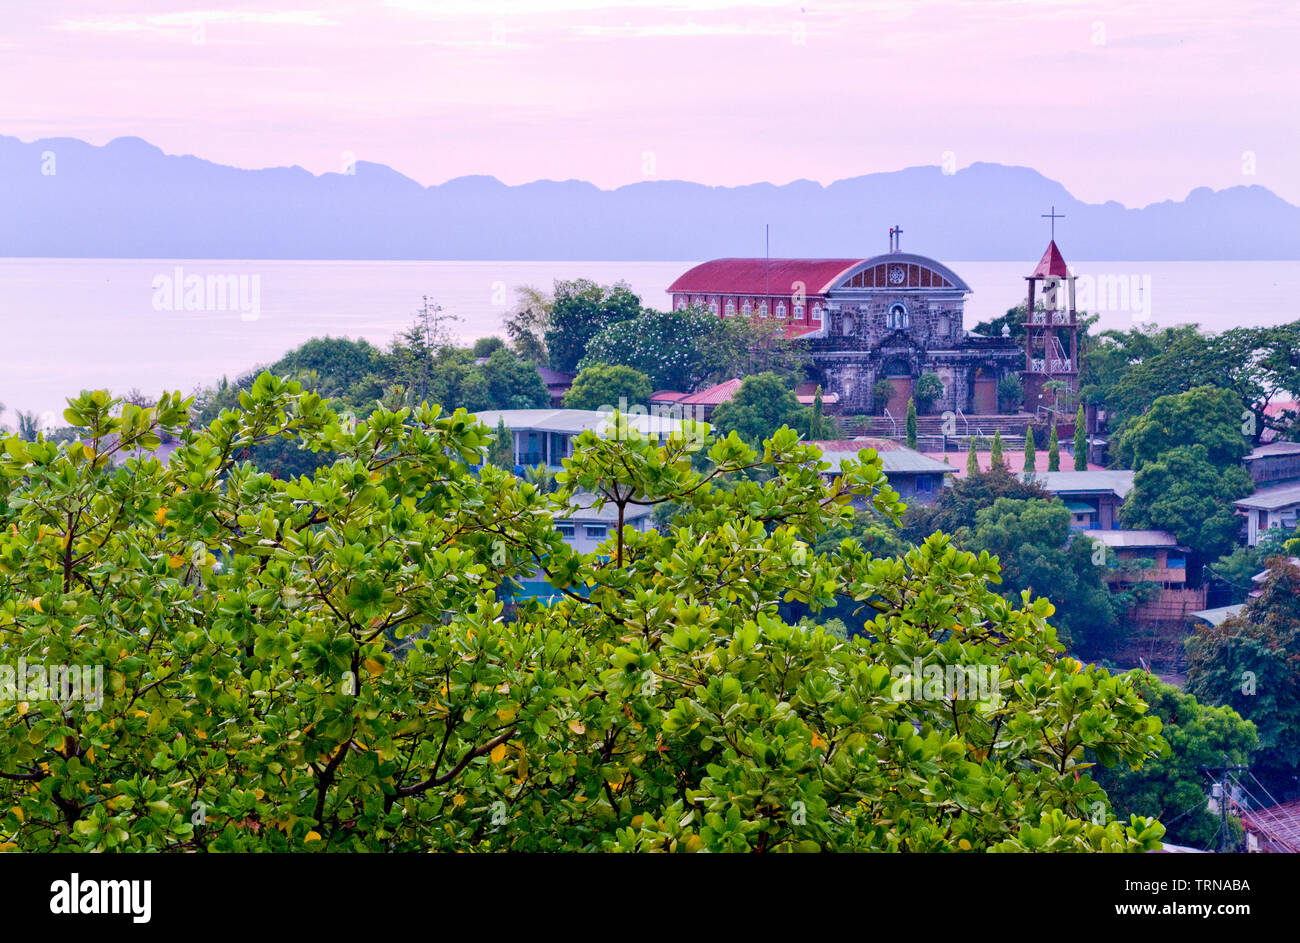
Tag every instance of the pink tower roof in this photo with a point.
(1052, 263)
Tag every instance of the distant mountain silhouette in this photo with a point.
(128, 199)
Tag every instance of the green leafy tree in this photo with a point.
(677, 350)
(1031, 453)
(1249, 663)
(1206, 415)
(527, 324)
(911, 423)
(1011, 393)
(927, 392)
(581, 309)
(324, 664)
(1080, 440)
(747, 344)
(604, 385)
(762, 405)
(1184, 493)
(513, 383)
(1053, 451)
(1171, 786)
(955, 509)
(487, 346)
(881, 393)
(502, 453)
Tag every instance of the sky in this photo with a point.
(1129, 101)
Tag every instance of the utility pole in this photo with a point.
(1221, 783)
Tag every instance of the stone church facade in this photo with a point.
(892, 317)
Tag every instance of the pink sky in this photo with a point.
(1130, 101)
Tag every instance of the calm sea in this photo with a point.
(72, 324)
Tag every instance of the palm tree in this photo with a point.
(29, 424)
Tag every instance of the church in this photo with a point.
(897, 317)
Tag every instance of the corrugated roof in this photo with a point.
(1274, 448)
(1271, 499)
(573, 421)
(713, 396)
(1117, 481)
(894, 456)
(1135, 538)
(581, 510)
(762, 276)
(1217, 616)
(1013, 458)
(1278, 826)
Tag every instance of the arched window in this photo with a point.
(780, 309)
(731, 307)
(681, 304)
(817, 311)
(747, 307)
(897, 316)
(762, 309)
(798, 312)
(713, 306)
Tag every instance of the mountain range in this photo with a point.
(62, 197)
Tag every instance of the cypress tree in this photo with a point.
(911, 423)
(1053, 451)
(1031, 452)
(995, 454)
(972, 462)
(1080, 441)
(816, 427)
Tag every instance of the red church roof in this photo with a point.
(1052, 263)
(774, 276)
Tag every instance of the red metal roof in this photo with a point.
(762, 276)
(714, 395)
(1052, 263)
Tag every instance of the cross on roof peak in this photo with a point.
(895, 238)
(1053, 216)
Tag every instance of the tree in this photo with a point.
(955, 509)
(1053, 451)
(1011, 393)
(677, 350)
(582, 309)
(29, 425)
(747, 344)
(1184, 493)
(927, 392)
(1080, 440)
(819, 427)
(911, 423)
(1171, 786)
(601, 385)
(326, 664)
(513, 383)
(881, 393)
(1031, 453)
(503, 446)
(972, 459)
(1248, 663)
(527, 324)
(487, 346)
(762, 405)
(1206, 415)
(995, 453)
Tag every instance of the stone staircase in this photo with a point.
(932, 427)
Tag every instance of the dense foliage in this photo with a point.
(325, 663)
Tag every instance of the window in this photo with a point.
(731, 307)
(847, 322)
(924, 484)
(1176, 560)
(798, 312)
(817, 311)
(681, 304)
(897, 316)
(780, 309)
(747, 307)
(596, 531)
(762, 309)
(566, 529)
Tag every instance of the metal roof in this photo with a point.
(1272, 499)
(1219, 615)
(1114, 480)
(762, 276)
(1273, 448)
(582, 511)
(1139, 539)
(894, 456)
(574, 421)
(713, 396)
(1052, 263)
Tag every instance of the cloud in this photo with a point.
(164, 22)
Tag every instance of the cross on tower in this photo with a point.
(1053, 216)
(895, 238)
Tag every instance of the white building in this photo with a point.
(1278, 506)
(545, 436)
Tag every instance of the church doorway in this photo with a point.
(984, 393)
(899, 376)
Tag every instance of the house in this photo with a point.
(557, 383)
(1177, 599)
(1094, 497)
(1274, 463)
(585, 528)
(916, 477)
(1276, 506)
(545, 436)
(1274, 829)
(698, 406)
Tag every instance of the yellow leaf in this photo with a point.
(201, 734)
(694, 844)
(312, 836)
(17, 810)
(22, 708)
(458, 800)
(176, 560)
(376, 668)
(498, 753)
(87, 451)
(577, 727)
(817, 740)
(964, 845)
(506, 714)
(36, 604)
(161, 516)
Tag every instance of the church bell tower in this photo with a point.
(1051, 331)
